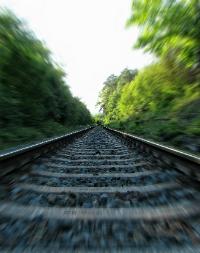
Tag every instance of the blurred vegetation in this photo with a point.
(161, 101)
(35, 101)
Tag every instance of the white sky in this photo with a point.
(87, 37)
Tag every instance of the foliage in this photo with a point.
(111, 93)
(162, 102)
(158, 104)
(168, 26)
(35, 101)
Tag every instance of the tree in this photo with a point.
(168, 25)
(33, 94)
(111, 93)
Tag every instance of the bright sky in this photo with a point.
(88, 38)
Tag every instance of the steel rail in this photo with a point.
(187, 163)
(12, 160)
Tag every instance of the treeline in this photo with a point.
(161, 101)
(35, 101)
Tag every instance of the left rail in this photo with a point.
(12, 160)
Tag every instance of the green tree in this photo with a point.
(168, 25)
(111, 93)
(35, 101)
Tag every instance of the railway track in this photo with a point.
(99, 190)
